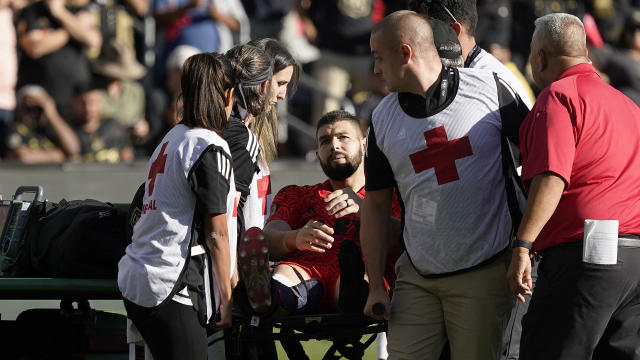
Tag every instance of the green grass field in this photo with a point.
(316, 350)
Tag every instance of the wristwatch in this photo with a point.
(515, 242)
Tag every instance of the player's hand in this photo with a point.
(343, 202)
(314, 236)
(377, 297)
(225, 315)
(519, 273)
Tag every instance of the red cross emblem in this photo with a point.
(157, 167)
(235, 207)
(441, 154)
(264, 189)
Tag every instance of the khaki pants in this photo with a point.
(471, 309)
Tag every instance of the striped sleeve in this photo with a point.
(209, 179)
(244, 148)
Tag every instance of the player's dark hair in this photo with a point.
(338, 115)
(463, 10)
(251, 67)
(265, 126)
(204, 81)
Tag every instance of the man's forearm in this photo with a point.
(67, 139)
(374, 236)
(543, 198)
(77, 29)
(38, 43)
(281, 240)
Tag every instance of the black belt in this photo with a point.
(629, 240)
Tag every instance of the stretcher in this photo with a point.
(350, 334)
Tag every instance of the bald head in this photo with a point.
(561, 35)
(406, 27)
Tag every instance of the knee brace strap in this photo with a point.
(299, 299)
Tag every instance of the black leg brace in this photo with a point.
(299, 299)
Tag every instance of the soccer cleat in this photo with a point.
(253, 263)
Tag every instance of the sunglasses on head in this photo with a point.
(439, 3)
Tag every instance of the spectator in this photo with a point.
(38, 133)
(623, 65)
(117, 20)
(456, 221)
(169, 101)
(232, 22)
(580, 150)
(8, 68)
(101, 140)
(267, 16)
(123, 99)
(186, 22)
(340, 29)
(463, 17)
(54, 36)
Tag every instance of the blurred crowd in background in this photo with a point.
(99, 80)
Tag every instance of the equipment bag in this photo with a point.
(68, 333)
(75, 239)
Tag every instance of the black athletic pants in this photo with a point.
(171, 330)
(583, 311)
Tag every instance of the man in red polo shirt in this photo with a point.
(581, 160)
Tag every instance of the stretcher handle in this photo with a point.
(39, 192)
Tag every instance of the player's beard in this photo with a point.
(340, 172)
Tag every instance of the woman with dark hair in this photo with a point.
(286, 73)
(178, 267)
(252, 138)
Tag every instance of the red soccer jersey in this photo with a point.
(297, 205)
(585, 131)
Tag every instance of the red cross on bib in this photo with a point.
(441, 155)
(157, 167)
(264, 189)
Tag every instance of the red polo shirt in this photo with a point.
(588, 133)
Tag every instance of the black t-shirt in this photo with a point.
(58, 72)
(344, 26)
(104, 144)
(35, 139)
(267, 9)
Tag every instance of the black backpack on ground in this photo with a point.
(74, 239)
